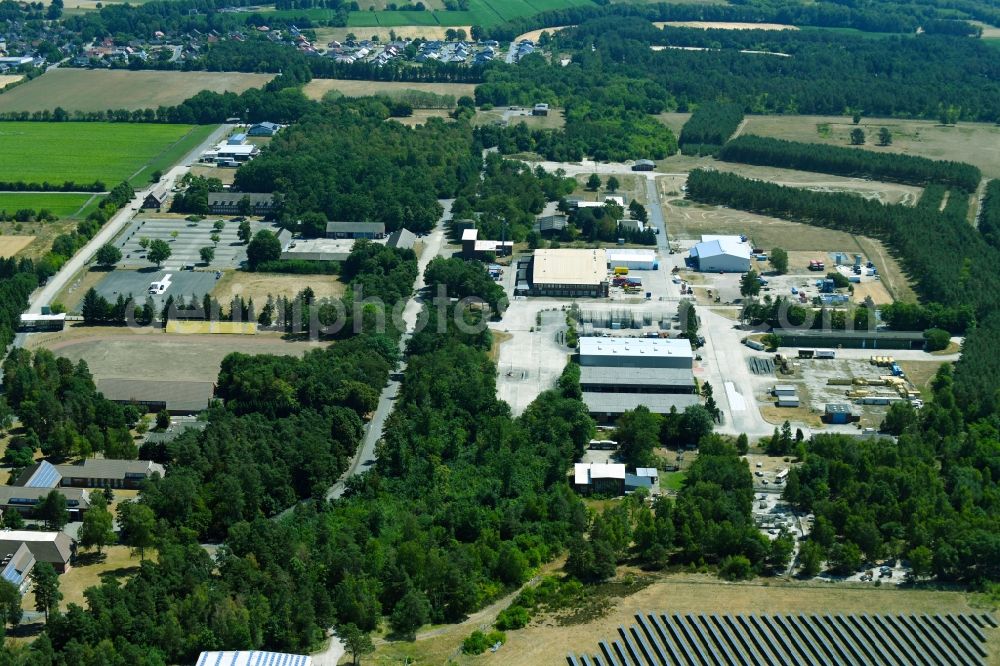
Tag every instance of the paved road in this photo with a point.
(46, 294)
(511, 50)
(365, 456)
(655, 211)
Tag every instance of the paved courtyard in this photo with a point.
(185, 249)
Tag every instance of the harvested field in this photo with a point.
(316, 88)
(724, 25)
(966, 142)
(544, 642)
(98, 90)
(877, 291)
(227, 176)
(259, 286)
(11, 245)
(119, 352)
(920, 374)
(535, 34)
(7, 79)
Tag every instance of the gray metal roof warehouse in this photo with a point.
(610, 405)
(177, 397)
(636, 380)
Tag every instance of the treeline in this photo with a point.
(709, 127)
(46, 186)
(892, 167)
(826, 73)
(18, 278)
(384, 172)
(605, 134)
(989, 214)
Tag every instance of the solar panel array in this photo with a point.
(46, 476)
(252, 658)
(795, 640)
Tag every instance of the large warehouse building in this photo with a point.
(637, 260)
(569, 273)
(619, 374)
(721, 254)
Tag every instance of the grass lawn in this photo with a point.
(672, 481)
(85, 152)
(98, 90)
(60, 203)
(171, 154)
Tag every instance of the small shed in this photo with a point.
(644, 165)
(837, 413)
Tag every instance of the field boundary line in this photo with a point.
(160, 154)
(85, 204)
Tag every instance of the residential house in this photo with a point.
(157, 198)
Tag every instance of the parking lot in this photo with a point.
(185, 249)
(183, 285)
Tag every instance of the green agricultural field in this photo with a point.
(480, 12)
(85, 152)
(59, 203)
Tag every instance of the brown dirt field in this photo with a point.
(227, 176)
(544, 643)
(259, 286)
(894, 278)
(316, 88)
(724, 25)
(118, 352)
(326, 35)
(876, 290)
(95, 90)
(11, 245)
(43, 232)
(965, 142)
(801, 414)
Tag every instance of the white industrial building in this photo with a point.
(721, 254)
(636, 352)
(619, 374)
(634, 260)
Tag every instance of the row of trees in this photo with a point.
(989, 214)
(709, 127)
(893, 167)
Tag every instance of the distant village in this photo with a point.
(21, 48)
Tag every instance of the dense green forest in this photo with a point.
(826, 73)
(599, 132)
(857, 162)
(709, 127)
(384, 172)
(929, 497)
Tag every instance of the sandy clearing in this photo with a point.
(724, 25)
(259, 286)
(11, 245)
(535, 34)
(316, 88)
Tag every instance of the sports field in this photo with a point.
(84, 152)
(62, 204)
(97, 90)
(316, 88)
(480, 12)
